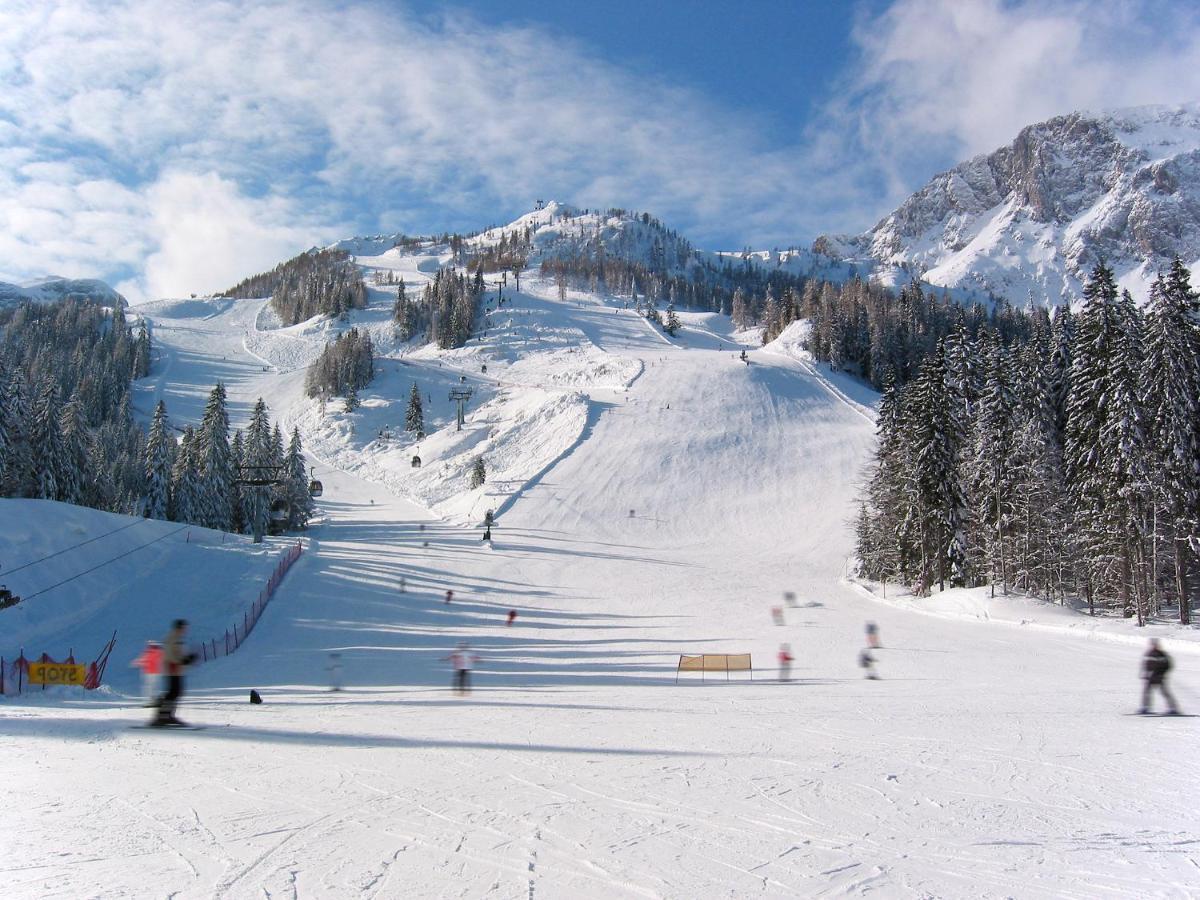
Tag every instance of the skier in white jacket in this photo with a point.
(461, 660)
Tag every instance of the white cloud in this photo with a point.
(211, 235)
(133, 133)
(954, 78)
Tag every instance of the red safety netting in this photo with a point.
(225, 644)
(14, 673)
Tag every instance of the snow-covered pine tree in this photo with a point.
(351, 402)
(160, 449)
(237, 451)
(1092, 361)
(672, 324)
(1124, 464)
(298, 497)
(1171, 388)
(49, 452)
(216, 463)
(185, 479)
(5, 441)
(478, 472)
(414, 417)
(991, 480)
(258, 449)
(141, 352)
(77, 441)
(18, 474)
(939, 442)
(739, 312)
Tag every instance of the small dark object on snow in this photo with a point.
(255, 697)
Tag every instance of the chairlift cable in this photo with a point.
(72, 547)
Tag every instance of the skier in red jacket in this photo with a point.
(785, 662)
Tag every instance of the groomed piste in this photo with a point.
(655, 497)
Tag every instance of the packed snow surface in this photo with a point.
(655, 496)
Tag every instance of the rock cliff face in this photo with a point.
(1030, 220)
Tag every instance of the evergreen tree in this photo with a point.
(18, 470)
(1171, 388)
(414, 417)
(185, 480)
(77, 440)
(991, 477)
(49, 451)
(1092, 361)
(672, 325)
(478, 472)
(299, 499)
(258, 449)
(237, 450)
(216, 464)
(160, 447)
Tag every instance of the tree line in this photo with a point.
(205, 477)
(446, 311)
(317, 282)
(66, 424)
(1060, 458)
(346, 365)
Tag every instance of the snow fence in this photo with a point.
(225, 644)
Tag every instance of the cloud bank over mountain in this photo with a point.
(174, 147)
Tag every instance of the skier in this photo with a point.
(150, 662)
(785, 662)
(335, 671)
(176, 659)
(449, 596)
(1155, 666)
(512, 615)
(872, 635)
(867, 661)
(461, 659)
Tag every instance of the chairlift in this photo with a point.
(280, 511)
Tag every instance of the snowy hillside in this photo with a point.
(53, 288)
(656, 496)
(83, 574)
(1031, 219)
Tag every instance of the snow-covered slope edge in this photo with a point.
(54, 288)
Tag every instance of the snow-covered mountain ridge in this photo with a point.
(1029, 220)
(53, 288)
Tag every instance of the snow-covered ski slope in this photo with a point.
(655, 497)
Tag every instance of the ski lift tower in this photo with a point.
(461, 395)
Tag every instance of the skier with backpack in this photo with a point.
(1155, 666)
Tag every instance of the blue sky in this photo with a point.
(173, 147)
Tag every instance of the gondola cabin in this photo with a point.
(416, 461)
(280, 511)
(315, 489)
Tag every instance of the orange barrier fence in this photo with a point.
(715, 662)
